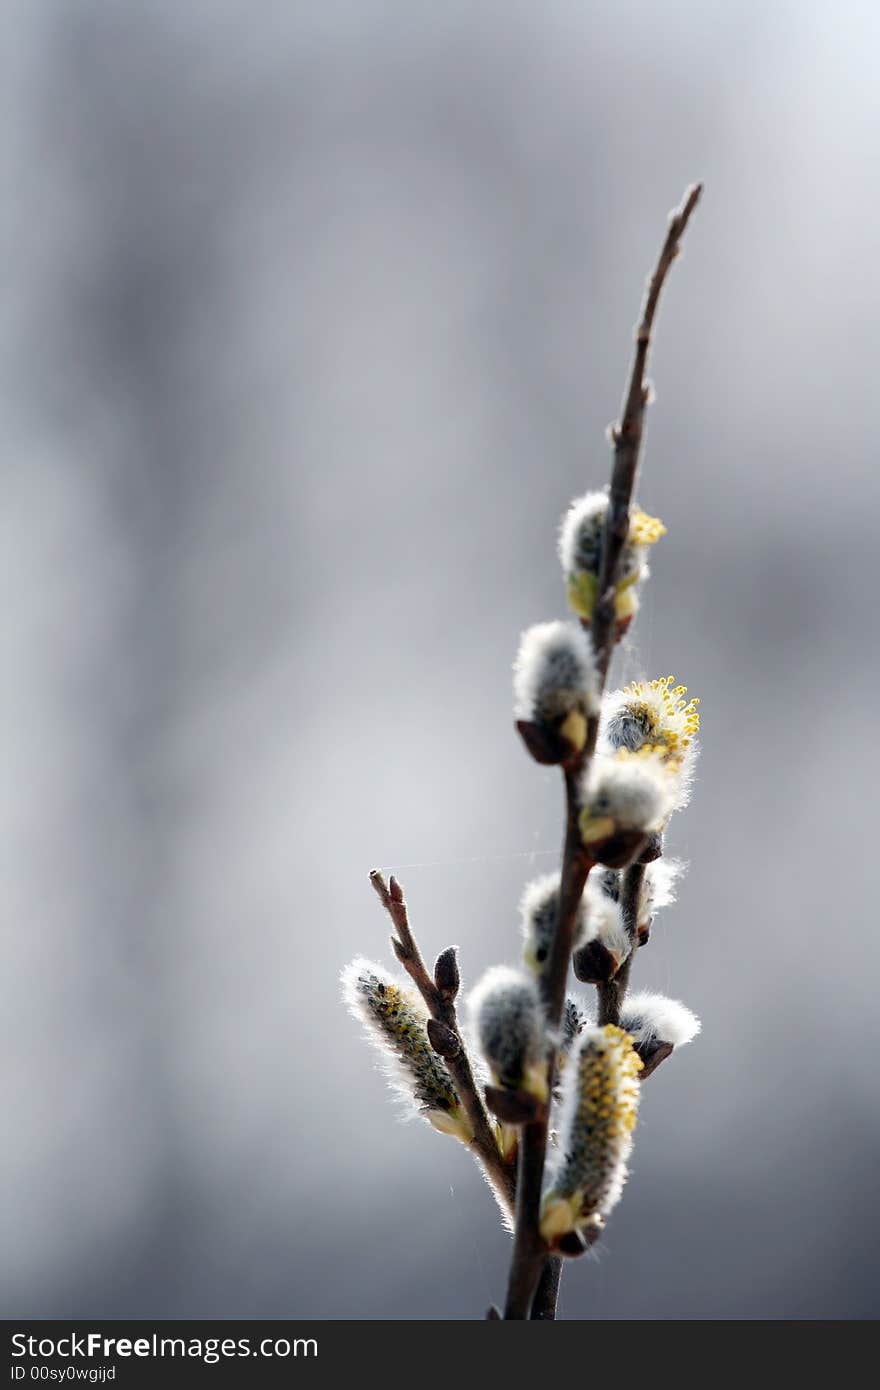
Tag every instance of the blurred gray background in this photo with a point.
(313, 319)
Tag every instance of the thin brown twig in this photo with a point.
(612, 994)
(530, 1252)
(627, 437)
(500, 1174)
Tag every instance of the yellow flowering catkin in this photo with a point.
(599, 1108)
(395, 1019)
(652, 714)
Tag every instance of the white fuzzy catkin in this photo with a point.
(507, 1019)
(555, 674)
(634, 792)
(604, 917)
(395, 1016)
(600, 1098)
(580, 539)
(650, 1018)
(538, 907)
(580, 551)
(654, 714)
(580, 535)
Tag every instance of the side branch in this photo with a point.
(451, 1045)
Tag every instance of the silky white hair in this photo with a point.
(580, 539)
(638, 793)
(654, 1018)
(554, 673)
(600, 1098)
(660, 882)
(538, 907)
(506, 1017)
(394, 1015)
(648, 714)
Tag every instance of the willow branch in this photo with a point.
(530, 1252)
(442, 1009)
(627, 437)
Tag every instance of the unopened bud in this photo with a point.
(594, 964)
(446, 976)
(443, 1039)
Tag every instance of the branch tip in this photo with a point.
(689, 201)
(443, 1030)
(379, 885)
